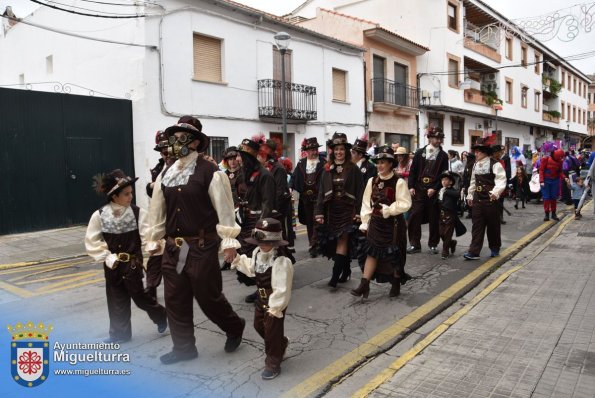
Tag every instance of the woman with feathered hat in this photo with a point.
(385, 200)
(338, 207)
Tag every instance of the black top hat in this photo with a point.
(114, 182)
(230, 152)
(250, 146)
(160, 141)
(339, 139)
(190, 125)
(310, 143)
(267, 231)
(384, 152)
(360, 146)
(435, 132)
(272, 147)
(497, 148)
(448, 174)
(484, 145)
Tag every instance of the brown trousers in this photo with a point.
(122, 284)
(486, 215)
(271, 329)
(201, 280)
(447, 228)
(422, 205)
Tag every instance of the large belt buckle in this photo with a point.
(309, 192)
(262, 292)
(179, 241)
(426, 180)
(339, 194)
(479, 188)
(123, 257)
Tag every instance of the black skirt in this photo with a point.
(338, 221)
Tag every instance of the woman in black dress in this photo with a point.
(338, 206)
(385, 200)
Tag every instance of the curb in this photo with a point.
(8, 266)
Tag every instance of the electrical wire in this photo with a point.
(90, 15)
(81, 8)
(116, 4)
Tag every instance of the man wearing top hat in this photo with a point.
(233, 170)
(488, 182)
(192, 207)
(360, 157)
(424, 183)
(305, 180)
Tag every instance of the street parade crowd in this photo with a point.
(358, 202)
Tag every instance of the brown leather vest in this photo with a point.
(188, 207)
(484, 183)
(383, 191)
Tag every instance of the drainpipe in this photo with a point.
(367, 115)
(418, 78)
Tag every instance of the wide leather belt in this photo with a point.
(309, 192)
(125, 257)
(264, 293)
(200, 239)
(426, 180)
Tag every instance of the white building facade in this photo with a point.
(215, 60)
(477, 60)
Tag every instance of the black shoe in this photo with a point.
(115, 340)
(516, 207)
(251, 298)
(555, 217)
(502, 222)
(547, 216)
(162, 326)
(471, 256)
(453, 246)
(413, 249)
(445, 256)
(269, 374)
(433, 250)
(232, 343)
(177, 356)
(225, 266)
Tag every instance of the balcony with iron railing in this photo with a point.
(389, 96)
(482, 40)
(300, 101)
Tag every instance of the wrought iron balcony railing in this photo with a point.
(300, 100)
(394, 93)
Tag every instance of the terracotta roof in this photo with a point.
(376, 25)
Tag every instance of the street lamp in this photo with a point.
(282, 39)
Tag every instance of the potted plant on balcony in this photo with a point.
(550, 84)
(554, 114)
(491, 98)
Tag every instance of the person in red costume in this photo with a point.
(550, 173)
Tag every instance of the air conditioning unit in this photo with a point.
(488, 77)
(488, 124)
(436, 94)
(478, 126)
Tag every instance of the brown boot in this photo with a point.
(453, 246)
(395, 289)
(363, 289)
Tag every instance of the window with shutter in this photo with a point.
(207, 58)
(339, 85)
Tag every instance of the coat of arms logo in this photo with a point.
(30, 353)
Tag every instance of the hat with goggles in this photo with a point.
(267, 231)
(193, 129)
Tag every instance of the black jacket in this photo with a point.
(450, 200)
(298, 179)
(368, 170)
(417, 167)
(354, 188)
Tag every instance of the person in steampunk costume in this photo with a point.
(497, 153)
(153, 273)
(361, 158)
(273, 272)
(192, 208)
(385, 200)
(488, 182)
(305, 180)
(114, 236)
(427, 165)
(337, 208)
(257, 193)
(448, 198)
(233, 170)
(283, 195)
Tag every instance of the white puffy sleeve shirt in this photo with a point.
(281, 278)
(483, 167)
(401, 204)
(219, 193)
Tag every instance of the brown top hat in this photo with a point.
(190, 125)
(160, 141)
(339, 139)
(310, 143)
(435, 132)
(360, 146)
(267, 231)
(384, 152)
(230, 152)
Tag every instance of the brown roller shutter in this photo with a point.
(207, 58)
(339, 85)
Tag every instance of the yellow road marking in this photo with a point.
(68, 287)
(52, 286)
(444, 326)
(44, 271)
(51, 278)
(28, 263)
(43, 267)
(16, 290)
(359, 354)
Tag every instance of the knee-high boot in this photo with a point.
(395, 289)
(345, 269)
(337, 268)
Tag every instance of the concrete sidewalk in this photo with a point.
(40, 246)
(532, 336)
